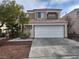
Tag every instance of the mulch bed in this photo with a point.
(14, 50)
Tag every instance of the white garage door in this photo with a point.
(44, 31)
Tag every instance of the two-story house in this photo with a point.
(73, 17)
(46, 23)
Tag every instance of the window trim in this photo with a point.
(55, 13)
(42, 15)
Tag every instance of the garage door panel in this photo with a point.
(49, 31)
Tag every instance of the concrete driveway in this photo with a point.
(54, 49)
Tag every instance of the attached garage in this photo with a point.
(49, 31)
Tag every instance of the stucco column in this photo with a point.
(66, 31)
(32, 32)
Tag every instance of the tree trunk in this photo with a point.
(22, 28)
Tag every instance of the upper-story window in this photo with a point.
(52, 15)
(40, 15)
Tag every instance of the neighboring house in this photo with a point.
(3, 28)
(46, 23)
(74, 17)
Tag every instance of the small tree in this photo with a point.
(70, 25)
(24, 19)
(11, 14)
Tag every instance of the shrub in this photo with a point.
(2, 34)
(25, 35)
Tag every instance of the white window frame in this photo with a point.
(42, 15)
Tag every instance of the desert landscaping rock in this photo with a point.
(14, 50)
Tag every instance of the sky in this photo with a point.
(65, 5)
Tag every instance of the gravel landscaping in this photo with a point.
(14, 50)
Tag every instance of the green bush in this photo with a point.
(25, 35)
(14, 35)
(2, 34)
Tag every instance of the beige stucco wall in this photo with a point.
(74, 18)
(33, 13)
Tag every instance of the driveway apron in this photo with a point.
(54, 49)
